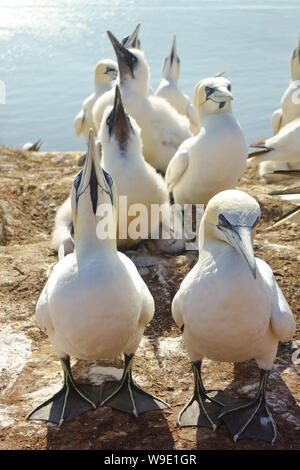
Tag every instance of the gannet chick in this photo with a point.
(122, 158)
(94, 305)
(169, 90)
(282, 147)
(231, 309)
(162, 127)
(30, 147)
(106, 71)
(215, 159)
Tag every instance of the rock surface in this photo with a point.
(33, 186)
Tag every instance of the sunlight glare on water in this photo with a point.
(48, 50)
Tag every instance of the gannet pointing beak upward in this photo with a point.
(118, 122)
(126, 60)
(133, 39)
(95, 305)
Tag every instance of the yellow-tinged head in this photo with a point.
(212, 95)
(231, 216)
(106, 71)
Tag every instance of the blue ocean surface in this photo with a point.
(48, 50)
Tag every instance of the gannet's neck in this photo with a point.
(112, 151)
(102, 87)
(130, 86)
(171, 75)
(205, 114)
(295, 73)
(87, 241)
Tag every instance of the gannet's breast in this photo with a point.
(94, 309)
(226, 312)
(290, 104)
(217, 159)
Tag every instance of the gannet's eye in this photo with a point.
(208, 90)
(77, 180)
(229, 87)
(108, 178)
(256, 222)
(223, 222)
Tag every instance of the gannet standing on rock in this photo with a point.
(231, 309)
(163, 129)
(122, 158)
(106, 71)
(169, 90)
(94, 305)
(215, 159)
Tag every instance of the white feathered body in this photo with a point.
(208, 163)
(227, 314)
(133, 176)
(163, 129)
(284, 146)
(83, 122)
(95, 308)
(169, 90)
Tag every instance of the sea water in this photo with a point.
(48, 50)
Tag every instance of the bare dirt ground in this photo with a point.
(33, 185)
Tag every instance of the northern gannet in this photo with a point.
(162, 127)
(290, 102)
(215, 159)
(231, 309)
(122, 158)
(94, 305)
(30, 147)
(288, 112)
(282, 147)
(169, 90)
(106, 71)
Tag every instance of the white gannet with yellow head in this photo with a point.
(231, 309)
(95, 304)
(288, 112)
(162, 127)
(122, 158)
(106, 72)
(215, 159)
(169, 90)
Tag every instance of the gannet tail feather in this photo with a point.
(287, 216)
(259, 153)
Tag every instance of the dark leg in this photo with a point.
(204, 407)
(71, 401)
(128, 397)
(251, 419)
